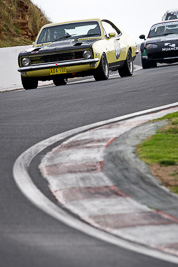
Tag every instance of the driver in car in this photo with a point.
(59, 33)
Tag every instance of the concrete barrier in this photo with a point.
(9, 76)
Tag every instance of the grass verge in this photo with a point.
(20, 22)
(160, 152)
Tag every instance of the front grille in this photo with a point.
(56, 57)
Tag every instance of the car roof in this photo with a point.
(68, 22)
(165, 21)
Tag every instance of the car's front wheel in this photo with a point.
(127, 69)
(29, 83)
(147, 64)
(59, 81)
(102, 72)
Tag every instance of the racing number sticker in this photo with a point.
(117, 49)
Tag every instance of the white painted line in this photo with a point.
(102, 206)
(28, 188)
(83, 180)
(82, 155)
(145, 234)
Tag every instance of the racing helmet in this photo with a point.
(59, 33)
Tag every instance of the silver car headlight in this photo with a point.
(151, 46)
(87, 54)
(25, 61)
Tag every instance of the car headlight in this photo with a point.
(87, 54)
(25, 61)
(151, 46)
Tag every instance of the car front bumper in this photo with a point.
(71, 66)
(160, 55)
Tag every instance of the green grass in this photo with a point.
(162, 148)
(174, 189)
(169, 117)
(9, 42)
(11, 31)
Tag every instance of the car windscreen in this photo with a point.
(162, 29)
(69, 31)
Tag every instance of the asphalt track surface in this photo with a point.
(30, 237)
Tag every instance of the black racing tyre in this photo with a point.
(127, 69)
(102, 72)
(29, 83)
(146, 64)
(59, 81)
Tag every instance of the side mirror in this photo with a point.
(142, 37)
(112, 34)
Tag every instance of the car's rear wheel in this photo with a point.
(29, 83)
(127, 69)
(102, 72)
(59, 81)
(148, 64)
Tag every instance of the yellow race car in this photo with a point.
(76, 49)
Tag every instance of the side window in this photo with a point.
(108, 28)
(44, 36)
